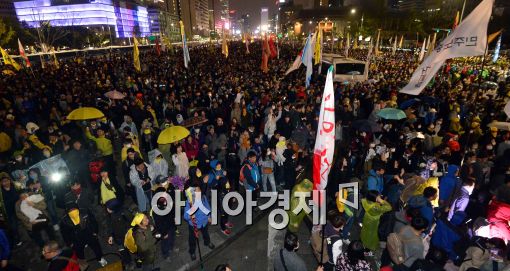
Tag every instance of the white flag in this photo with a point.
(422, 52)
(347, 45)
(297, 63)
(307, 58)
(507, 109)
(325, 140)
(367, 64)
(394, 50)
(468, 39)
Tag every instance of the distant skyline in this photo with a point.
(253, 7)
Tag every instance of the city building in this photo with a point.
(126, 18)
(264, 19)
(245, 24)
(195, 16)
(164, 19)
(7, 10)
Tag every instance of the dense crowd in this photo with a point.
(435, 186)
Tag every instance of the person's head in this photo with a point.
(50, 250)
(430, 193)
(178, 149)
(355, 252)
(131, 153)
(139, 164)
(291, 242)
(468, 185)
(419, 223)
(372, 195)
(336, 219)
(76, 187)
(437, 256)
(5, 181)
(104, 173)
(100, 132)
(77, 145)
(471, 157)
(379, 169)
(34, 174)
(252, 157)
(223, 267)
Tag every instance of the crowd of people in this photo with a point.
(435, 186)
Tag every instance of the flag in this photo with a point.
(272, 47)
(224, 45)
(474, 27)
(422, 52)
(158, 48)
(247, 42)
(496, 51)
(428, 43)
(296, 64)
(401, 42)
(307, 58)
(55, 60)
(136, 55)
(317, 55)
(23, 55)
(493, 36)
(367, 64)
(377, 42)
(456, 22)
(432, 44)
(325, 140)
(8, 60)
(394, 50)
(265, 55)
(347, 44)
(185, 50)
(355, 44)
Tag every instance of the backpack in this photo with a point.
(242, 178)
(386, 225)
(329, 247)
(395, 247)
(129, 241)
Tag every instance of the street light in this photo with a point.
(353, 11)
(310, 22)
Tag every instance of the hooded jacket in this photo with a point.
(447, 233)
(375, 181)
(160, 167)
(447, 185)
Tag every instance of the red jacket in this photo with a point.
(191, 149)
(498, 215)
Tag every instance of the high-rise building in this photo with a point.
(7, 10)
(195, 16)
(245, 24)
(411, 5)
(264, 19)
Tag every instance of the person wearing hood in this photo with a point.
(376, 178)
(448, 185)
(374, 207)
(447, 233)
(145, 241)
(181, 162)
(460, 203)
(128, 122)
(197, 222)
(142, 177)
(79, 230)
(160, 165)
(218, 181)
(424, 203)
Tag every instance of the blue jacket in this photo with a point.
(5, 249)
(447, 184)
(252, 176)
(200, 217)
(212, 182)
(375, 182)
(426, 209)
(445, 236)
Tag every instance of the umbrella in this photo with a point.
(366, 126)
(391, 114)
(115, 95)
(85, 113)
(500, 125)
(409, 103)
(172, 134)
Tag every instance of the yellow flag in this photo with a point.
(456, 22)
(355, 45)
(136, 55)
(224, 45)
(401, 42)
(8, 60)
(318, 47)
(493, 36)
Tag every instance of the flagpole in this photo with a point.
(462, 13)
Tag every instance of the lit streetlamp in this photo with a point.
(353, 11)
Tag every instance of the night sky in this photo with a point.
(253, 7)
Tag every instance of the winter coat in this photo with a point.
(460, 203)
(475, 257)
(201, 218)
(375, 182)
(498, 215)
(181, 163)
(426, 209)
(447, 233)
(117, 224)
(160, 166)
(447, 185)
(373, 212)
(252, 175)
(145, 243)
(191, 149)
(79, 234)
(137, 183)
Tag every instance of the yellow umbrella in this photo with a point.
(85, 113)
(172, 134)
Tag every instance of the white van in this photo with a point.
(344, 69)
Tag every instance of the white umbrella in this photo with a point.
(114, 95)
(500, 125)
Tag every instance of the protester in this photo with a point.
(287, 258)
